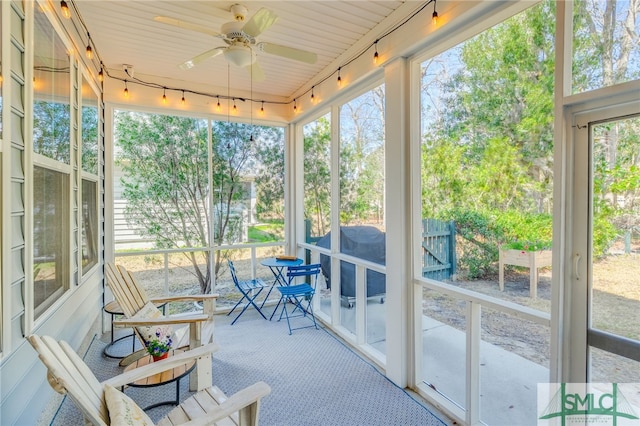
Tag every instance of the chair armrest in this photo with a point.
(160, 366)
(134, 322)
(239, 400)
(185, 298)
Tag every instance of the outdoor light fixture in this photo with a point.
(375, 55)
(89, 49)
(434, 17)
(64, 7)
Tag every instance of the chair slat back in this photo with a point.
(232, 270)
(68, 373)
(130, 296)
(311, 271)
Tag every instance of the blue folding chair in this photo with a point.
(250, 290)
(300, 295)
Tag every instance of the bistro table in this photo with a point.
(277, 265)
(159, 379)
(114, 309)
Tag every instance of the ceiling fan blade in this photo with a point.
(187, 26)
(260, 21)
(201, 57)
(255, 71)
(288, 52)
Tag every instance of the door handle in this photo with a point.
(576, 263)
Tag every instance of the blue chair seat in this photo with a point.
(296, 290)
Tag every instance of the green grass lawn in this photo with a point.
(265, 232)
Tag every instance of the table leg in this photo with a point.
(105, 351)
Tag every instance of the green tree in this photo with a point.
(51, 130)
(165, 181)
(362, 158)
(488, 133)
(164, 164)
(317, 175)
(270, 173)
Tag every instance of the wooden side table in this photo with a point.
(168, 376)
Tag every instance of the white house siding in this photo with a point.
(24, 390)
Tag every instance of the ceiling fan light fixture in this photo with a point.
(240, 55)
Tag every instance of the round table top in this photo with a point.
(275, 262)
(114, 308)
(164, 377)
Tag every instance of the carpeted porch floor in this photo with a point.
(315, 378)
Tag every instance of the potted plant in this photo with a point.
(159, 343)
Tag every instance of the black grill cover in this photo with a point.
(364, 242)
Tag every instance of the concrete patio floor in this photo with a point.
(508, 382)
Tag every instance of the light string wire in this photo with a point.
(150, 84)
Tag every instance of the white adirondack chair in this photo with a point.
(141, 312)
(67, 373)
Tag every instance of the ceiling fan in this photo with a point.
(240, 39)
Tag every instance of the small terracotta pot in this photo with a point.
(159, 357)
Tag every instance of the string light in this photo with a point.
(64, 8)
(434, 17)
(89, 50)
(164, 95)
(375, 55)
(295, 107)
(66, 12)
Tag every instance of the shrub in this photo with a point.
(480, 234)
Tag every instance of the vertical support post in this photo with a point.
(501, 269)
(166, 274)
(361, 304)
(533, 275)
(474, 311)
(452, 249)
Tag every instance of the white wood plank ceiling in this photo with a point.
(124, 32)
